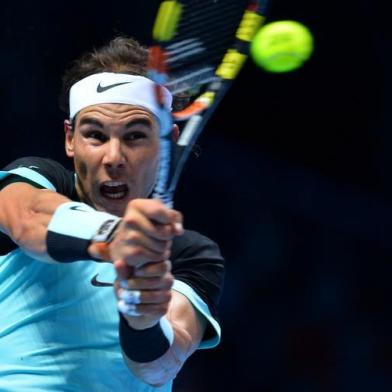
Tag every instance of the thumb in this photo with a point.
(124, 271)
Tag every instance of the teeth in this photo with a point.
(117, 195)
(114, 183)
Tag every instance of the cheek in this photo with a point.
(152, 163)
(81, 169)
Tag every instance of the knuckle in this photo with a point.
(155, 282)
(177, 215)
(154, 269)
(167, 296)
(135, 251)
(134, 203)
(157, 203)
(168, 281)
(131, 283)
(150, 269)
(133, 236)
(130, 217)
(161, 296)
(166, 266)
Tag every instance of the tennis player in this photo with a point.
(77, 235)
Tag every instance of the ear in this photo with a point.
(69, 138)
(175, 133)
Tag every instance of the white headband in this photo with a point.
(109, 87)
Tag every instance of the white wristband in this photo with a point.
(73, 226)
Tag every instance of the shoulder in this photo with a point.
(44, 172)
(197, 262)
(38, 164)
(192, 243)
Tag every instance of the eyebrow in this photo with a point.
(95, 122)
(139, 121)
(90, 121)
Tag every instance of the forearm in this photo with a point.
(188, 327)
(26, 214)
(49, 226)
(166, 367)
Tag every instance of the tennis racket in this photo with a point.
(199, 48)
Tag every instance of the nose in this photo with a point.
(114, 157)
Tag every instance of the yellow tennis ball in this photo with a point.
(282, 46)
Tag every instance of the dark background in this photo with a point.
(293, 181)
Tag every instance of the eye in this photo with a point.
(135, 135)
(96, 135)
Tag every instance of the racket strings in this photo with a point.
(205, 31)
(202, 18)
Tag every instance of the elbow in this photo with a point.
(26, 232)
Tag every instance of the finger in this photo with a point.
(178, 228)
(162, 283)
(157, 211)
(129, 296)
(138, 256)
(138, 238)
(135, 219)
(145, 297)
(157, 310)
(151, 270)
(124, 271)
(127, 309)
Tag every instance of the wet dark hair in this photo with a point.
(122, 55)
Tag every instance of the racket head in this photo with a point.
(203, 46)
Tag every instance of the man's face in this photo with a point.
(115, 149)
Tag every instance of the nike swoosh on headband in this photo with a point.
(101, 89)
(95, 282)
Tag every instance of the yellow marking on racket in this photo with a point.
(166, 22)
(250, 23)
(207, 97)
(231, 64)
(202, 103)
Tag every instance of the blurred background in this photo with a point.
(293, 180)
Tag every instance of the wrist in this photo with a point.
(138, 321)
(72, 229)
(145, 345)
(99, 245)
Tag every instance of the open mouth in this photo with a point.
(114, 190)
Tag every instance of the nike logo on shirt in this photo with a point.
(101, 89)
(95, 282)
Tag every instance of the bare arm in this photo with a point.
(25, 213)
(188, 328)
(146, 234)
